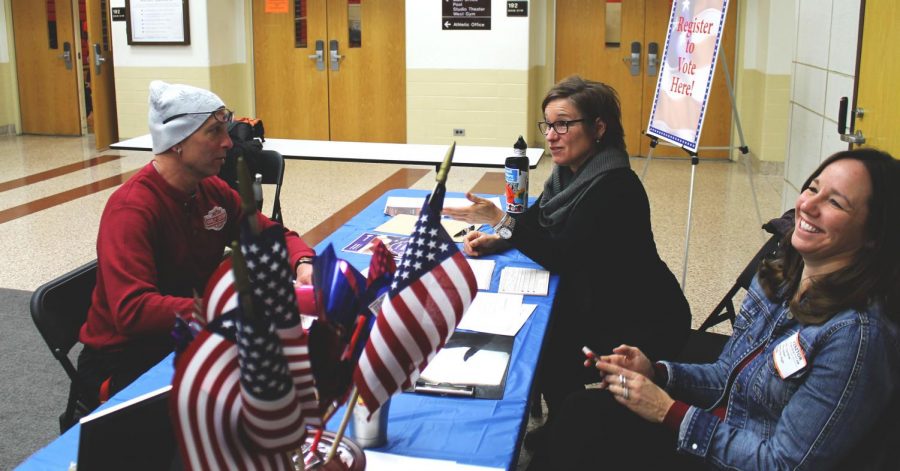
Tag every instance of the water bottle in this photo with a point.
(516, 175)
(257, 191)
(370, 432)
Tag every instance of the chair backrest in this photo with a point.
(725, 309)
(59, 308)
(270, 164)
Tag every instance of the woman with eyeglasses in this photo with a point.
(591, 226)
(162, 234)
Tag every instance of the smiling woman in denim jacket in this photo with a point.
(813, 365)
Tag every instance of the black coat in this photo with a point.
(613, 287)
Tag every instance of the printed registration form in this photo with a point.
(519, 280)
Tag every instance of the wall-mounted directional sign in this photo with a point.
(519, 8)
(466, 14)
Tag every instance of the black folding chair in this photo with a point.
(270, 165)
(705, 347)
(59, 308)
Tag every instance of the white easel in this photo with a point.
(695, 160)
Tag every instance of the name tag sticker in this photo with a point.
(789, 356)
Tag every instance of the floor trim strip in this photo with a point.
(53, 200)
(56, 172)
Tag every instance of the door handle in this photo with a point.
(319, 56)
(652, 58)
(854, 137)
(66, 56)
(98, 58)
(333, 55)
(635, 58)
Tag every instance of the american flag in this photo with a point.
(274, 296)
(430, 291)
(207, 407)
(378, 282)
(243, 387)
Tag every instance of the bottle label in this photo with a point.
(516, 190)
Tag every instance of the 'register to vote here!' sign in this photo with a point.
(685, 81)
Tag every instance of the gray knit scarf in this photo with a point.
(564, 189)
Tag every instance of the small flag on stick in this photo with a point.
(432, 288)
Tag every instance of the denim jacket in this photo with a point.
(808, 420)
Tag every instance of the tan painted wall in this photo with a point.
(764, 107)
(763, 82)
(132, 89)
(232, 83)
(537, 88)
(491, 105)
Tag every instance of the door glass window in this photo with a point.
(104, 25)
(51, 24)
(300, 24)
(613, 23)
(354, 23)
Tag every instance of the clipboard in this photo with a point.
(475, 342)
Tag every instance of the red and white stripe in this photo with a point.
(206, 407)
(220, 296)
(412, 326)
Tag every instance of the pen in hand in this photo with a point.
(465, 231)
(592, 359)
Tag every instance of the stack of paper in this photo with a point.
(451, 366)
(406, 223)
(410, 205)
(483, 270)
(496, 313)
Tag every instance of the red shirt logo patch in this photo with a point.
(215, 219)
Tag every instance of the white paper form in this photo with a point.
(496, 313)
(378, 461)
(411, 205)
(483, 270)
(519, 280)
(484, 367)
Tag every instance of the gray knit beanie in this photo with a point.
(167, 100)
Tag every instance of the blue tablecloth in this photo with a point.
(472, 431)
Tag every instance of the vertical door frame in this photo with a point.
(79, 71)
(14, 77)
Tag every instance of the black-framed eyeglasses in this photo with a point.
(561, 127)
(222, 115)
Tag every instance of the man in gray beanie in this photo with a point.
(162, 234)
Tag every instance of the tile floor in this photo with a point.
(37, 244)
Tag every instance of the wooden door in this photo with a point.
(48, 88)
(364, 99)
(291, 95)
(103, 85)
(582, 47)
(368, 91)
(877, 92)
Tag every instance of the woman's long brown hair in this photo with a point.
(874, 273)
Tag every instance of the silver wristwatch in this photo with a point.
(505, 227)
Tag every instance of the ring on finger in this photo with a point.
(622, 380)
(625, 393)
